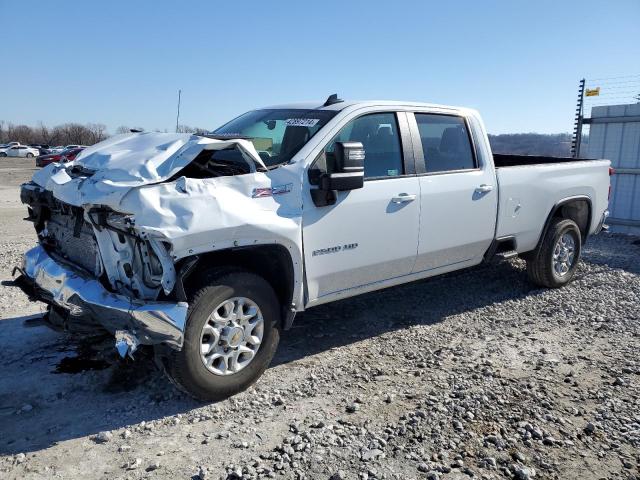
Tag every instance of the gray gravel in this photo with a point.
(473, 375)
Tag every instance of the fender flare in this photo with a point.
(559, 205)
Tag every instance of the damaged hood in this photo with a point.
(107, 170)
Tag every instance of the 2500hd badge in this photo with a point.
(324, 251)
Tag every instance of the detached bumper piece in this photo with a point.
(49, 281)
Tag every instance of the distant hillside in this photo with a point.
(557, 144)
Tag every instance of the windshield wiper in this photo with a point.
(214, 136)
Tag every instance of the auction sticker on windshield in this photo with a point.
(301, 122)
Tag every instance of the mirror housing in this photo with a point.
(348, 173)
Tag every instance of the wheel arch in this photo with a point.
(273, 262)
(577, 208)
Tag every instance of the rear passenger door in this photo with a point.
(458, 188)
(370, 234)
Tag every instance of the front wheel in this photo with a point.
(2, 154)
(29, 155)
(231, 335)
(555, 262)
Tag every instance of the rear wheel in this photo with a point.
(555, 262)
(2, 154)
(230, 338)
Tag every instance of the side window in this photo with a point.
(378, 133)
(445, 143)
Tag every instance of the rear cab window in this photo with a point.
(446, 144)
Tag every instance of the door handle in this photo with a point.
(484, 188)
(403, 198)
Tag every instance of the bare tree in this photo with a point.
(71, 133)
(188, 129)
(96, 132)
(21, 133)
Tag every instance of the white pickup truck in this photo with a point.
(205, 247)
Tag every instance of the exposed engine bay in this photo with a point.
(102, 243)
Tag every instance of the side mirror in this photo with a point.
(347, 174)
(348, 171)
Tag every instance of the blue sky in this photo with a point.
(122, 62)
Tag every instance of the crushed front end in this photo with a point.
(115, 224)
(93, 268)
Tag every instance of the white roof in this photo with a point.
(319, 105)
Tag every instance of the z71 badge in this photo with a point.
(336, 249)
(270, 191)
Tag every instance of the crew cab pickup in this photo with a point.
(205, 247)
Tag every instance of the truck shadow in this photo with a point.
(65, 389)
(424, 302)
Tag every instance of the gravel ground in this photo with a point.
(472, 375)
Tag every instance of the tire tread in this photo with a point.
(174, 362)
(539, 269)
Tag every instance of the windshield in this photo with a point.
(277, 134)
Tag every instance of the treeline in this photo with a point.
(69, 133)
(87, 134)
(557, 145)
(65, 134)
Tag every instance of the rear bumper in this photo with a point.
(601, 224)
(49, 281)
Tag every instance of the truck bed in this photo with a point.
(508, 160)
(529, 187)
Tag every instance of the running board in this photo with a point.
(508, 254)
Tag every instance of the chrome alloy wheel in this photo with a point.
(564, 254)
(231, 336)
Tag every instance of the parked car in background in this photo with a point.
(66, 155)
(75, 146)
(19, 151)
(58, 149)
(70, 154)
(42, 149)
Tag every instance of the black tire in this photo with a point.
(186, 368)
(540, 266)
(29, 155)
(2, 154)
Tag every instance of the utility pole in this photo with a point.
(577, 129)
(178, 115)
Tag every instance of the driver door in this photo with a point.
(370, 234)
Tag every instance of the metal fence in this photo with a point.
(614, 134)
(607, 125)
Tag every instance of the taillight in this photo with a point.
(611, 171)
